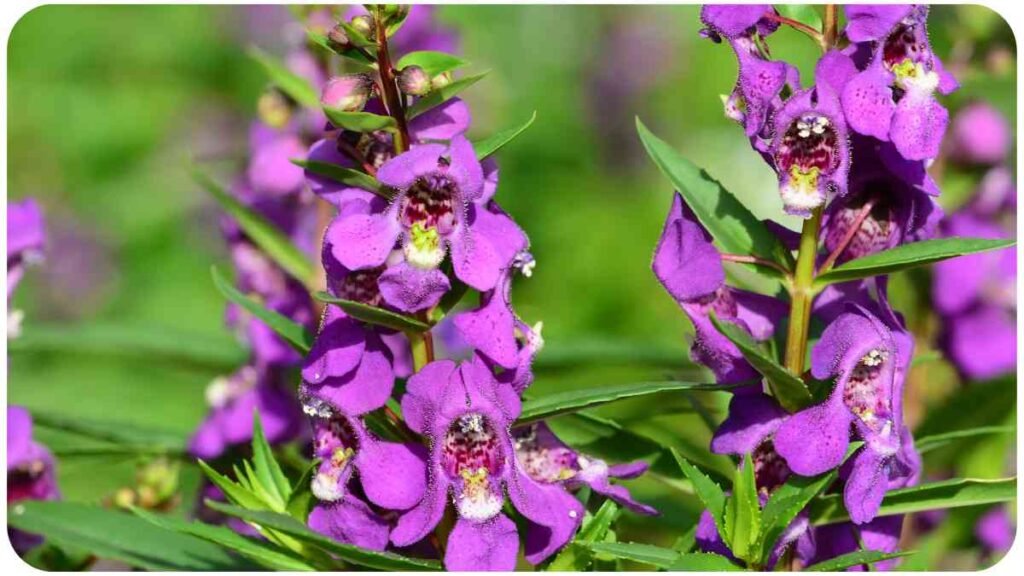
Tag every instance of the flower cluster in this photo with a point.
(410, 245)
(976, 295)
(851, 151)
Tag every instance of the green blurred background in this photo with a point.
(108, 105)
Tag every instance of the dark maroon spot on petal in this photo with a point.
(770, 469)
(810, 141)
(470, 445)
(360, 286)
(874, 234)
(430, 202)
(544, 463)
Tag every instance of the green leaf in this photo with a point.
(574, 400)
(656, 556)
(346, 176)
(237, 492)
(703, 562)
(785, 504)
(908, 256)
(356, 38)
(258, 551)
(267, 469)
(355, 58)
(299, 531)
(433, 63)
(494, 142)
(119, 536)
(601, 351)
(709, 493)
(374, 315)
(743, 512)
(970, 407)
(120, 433)
(954, 493)
(296, 87)
(929, 443)
(734, 228)
(789, 390)
(578, 556)
(858, 558)
(301, 500)
(443, 94)
(159, 343)
(803, 13)
(261, 231)
(359, 121)
(295, 334)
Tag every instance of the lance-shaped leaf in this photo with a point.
(432, 62)
(271, 240)
(301, 500)
(443, 94)
(374, 315)
(907, 256)
(359, 121)
(123, 434)
(703, 562)
(120, 536)
(346, 176)
(296, 87)
(563, 402)
(858, 558)
(656, 556)
(578, 556)
(294, 333)
(802, 13)
(955, 493)
(789, 390)
(352, 554)
(267, 470)
(709, 493)
(356, 38)
(494, 142)
(734, 228)
(259, 551)
(240, 492)
(784, 505)
(743, 512)
(929, 443)
(356, 59)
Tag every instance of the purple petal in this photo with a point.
(394, 476)
(491, 545)
(465, 169)
(868, 22)
(402, 170)
(25, 227)
(475, 260)
(628, 470)
(442, 122)
(543, 541)
(411, 289)
(338, 349)
(360, 241)
(918, 126)
(271, 170)
(350, 521)
(752, 418)
(366, 388)
(815, 439)
(415, 524)
(507, 238)
(866, 485)
(867, 102)
(491, 329)
(685, 261)
(422, 393)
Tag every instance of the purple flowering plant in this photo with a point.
(365, 222)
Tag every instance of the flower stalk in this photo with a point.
(389, 84)
(802, 294)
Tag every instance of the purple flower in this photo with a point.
(980, 135)
(466, 415)
(995, 530)
(869, 359)
(30, 471)
(548, 460)
(976, 296)
(826, 542)
(232, 401)
(902, 203)
(438, 193)
(810, 150)
(391, 476)
(349, 365)
(690, 268)
(892, 98)
(26, 238)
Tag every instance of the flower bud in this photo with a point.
(364, 25)
(274, 109)
(394, 13)
(348, 93)
(441, 80)
(413, 80)
(337, 38)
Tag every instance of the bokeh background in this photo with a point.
(109, 105)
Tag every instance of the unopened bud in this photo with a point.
(348, 93)
(441, 80)
(364, 25)
(124, 498)
(337, 38)
(413, 80)
(395, 13)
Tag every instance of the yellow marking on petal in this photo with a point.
(341, 455)
(804, 182)
(423, 249)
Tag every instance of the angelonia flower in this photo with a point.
(980, 135)
(995, 531)
(975, 295)
(431, 229)
(31, 473)
(26, 238)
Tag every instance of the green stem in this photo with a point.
(802, 294)
(422, 345)
(389, 85)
